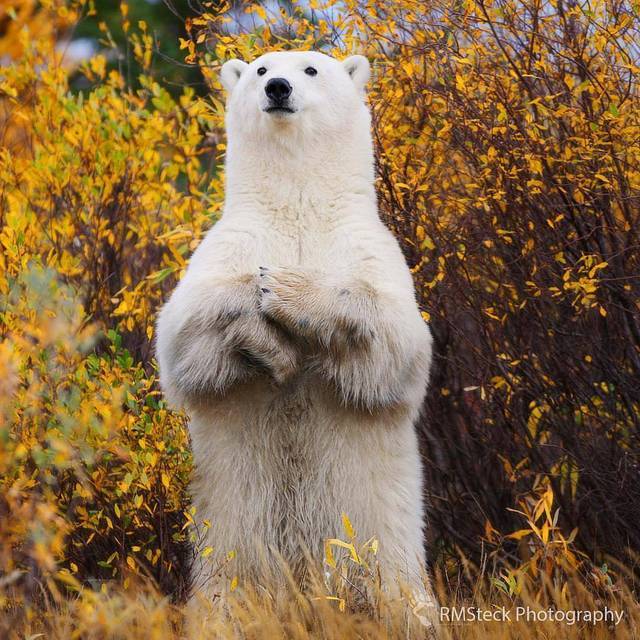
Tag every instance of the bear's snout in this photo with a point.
(278, 90)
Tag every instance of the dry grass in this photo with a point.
(140, 612)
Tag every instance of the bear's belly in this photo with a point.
(275, 454)
(277, 470)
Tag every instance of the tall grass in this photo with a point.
(140, 613)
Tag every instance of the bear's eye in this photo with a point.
(261, 71)
(310, 71)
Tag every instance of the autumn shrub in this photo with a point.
(514, 178)
(508, 166)
(103, 198)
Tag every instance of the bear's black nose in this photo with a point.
(278, 89)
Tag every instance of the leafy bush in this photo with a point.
(103, 198)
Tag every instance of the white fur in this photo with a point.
(302, 380)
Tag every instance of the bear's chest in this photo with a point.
(301, 242)
(298, 217)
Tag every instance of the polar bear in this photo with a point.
(294, 340)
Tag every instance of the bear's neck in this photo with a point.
(303, 179)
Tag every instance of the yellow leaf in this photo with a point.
(346, 524)
(341, 602)
(427, 243)
(328, 555)
(345, 545)
(521, 533)
(545, 533)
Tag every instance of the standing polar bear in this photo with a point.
(294, 340)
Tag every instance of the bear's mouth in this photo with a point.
(279, 109)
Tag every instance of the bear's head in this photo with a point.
(289, 94)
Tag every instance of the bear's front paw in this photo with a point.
(285, 296)
(262, 346)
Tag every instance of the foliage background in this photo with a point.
(508, 165)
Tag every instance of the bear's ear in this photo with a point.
(231, 72)
(359, 70)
